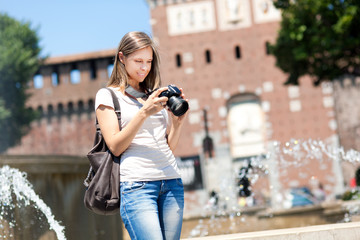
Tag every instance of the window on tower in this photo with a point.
(208, 56)
(55, 77)
(38, 80)
(237, 52)
(178, 60)
(110, 68)
(93, 73)
(267, 47)
(75, 75)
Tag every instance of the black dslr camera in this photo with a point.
(177, 105)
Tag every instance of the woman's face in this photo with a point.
(137, 65)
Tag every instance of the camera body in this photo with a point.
(177, 105)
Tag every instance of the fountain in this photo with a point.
(278, 171)
(58, 182)
(17, 200)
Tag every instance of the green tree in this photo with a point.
(19, 60)
(319, 38)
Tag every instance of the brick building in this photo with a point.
(63, 92)
(219, 62)
(217, 51)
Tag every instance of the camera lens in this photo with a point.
(178, 106)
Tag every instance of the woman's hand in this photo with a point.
(154, 103)
(179, 120)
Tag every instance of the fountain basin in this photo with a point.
(58, 180)
(261, 219)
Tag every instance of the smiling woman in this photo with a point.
(152, 192)
(137, 65)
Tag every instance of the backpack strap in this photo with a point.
(115, 100)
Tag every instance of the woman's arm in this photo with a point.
(175, 129)
(118, 141)
(174, 133)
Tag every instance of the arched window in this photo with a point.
(40, 111)
(50, 112)
(70, 107)
(60, 109)
(81, 107)
(39, 114)
(50, 109)
(246, 125)
(90, 106)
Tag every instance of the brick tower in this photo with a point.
(217, 51)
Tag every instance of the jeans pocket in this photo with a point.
(127, 187)
(179, 182)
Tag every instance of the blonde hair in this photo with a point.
(130, 43)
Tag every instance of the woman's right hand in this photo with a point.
(154, 103)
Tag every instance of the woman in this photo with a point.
(152, 194)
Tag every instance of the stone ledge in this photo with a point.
(34, 164)
(338, 231)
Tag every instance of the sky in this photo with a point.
(77, 26)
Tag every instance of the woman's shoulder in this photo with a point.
(105, 92)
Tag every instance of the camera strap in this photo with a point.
(135, 93)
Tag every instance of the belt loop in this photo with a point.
(162, 186)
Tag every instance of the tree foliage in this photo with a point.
(320, 38)
(19, 60)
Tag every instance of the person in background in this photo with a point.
(152, 193)
(319, 193)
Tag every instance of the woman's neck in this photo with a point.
(136, 86)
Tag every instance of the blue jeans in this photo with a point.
(152, 210)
